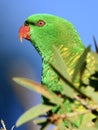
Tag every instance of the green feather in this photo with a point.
(58, 32)
(61, 33)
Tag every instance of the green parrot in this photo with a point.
(44, 31)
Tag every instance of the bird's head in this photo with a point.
(39, 27)
(44, 30)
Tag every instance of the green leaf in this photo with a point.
(33, 113)
(88, 128)
(40, 121)
(29, 84)
(60, 125)
(87, 120)
(92, 94)
(96, 123)
(59, 63)
(67, 90)
(68, 87)
(66, 84)
(96, 44)
(43, 122)
(60, 68)
(95, 55)
(80, 63)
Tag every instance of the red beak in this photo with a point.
(24, 32)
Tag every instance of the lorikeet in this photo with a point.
(44, 31)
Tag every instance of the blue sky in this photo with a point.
(83, 14)
(21, 59)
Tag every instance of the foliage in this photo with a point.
(79, 94)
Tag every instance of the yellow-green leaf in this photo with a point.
(59, 63)
(27, 83)
(80, 63)
(33, 113)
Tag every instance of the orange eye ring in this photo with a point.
(40, 23)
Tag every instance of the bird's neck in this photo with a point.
(69, 56)
(68, 51)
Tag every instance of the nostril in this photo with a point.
(26, 24)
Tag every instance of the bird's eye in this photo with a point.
(40, 23)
